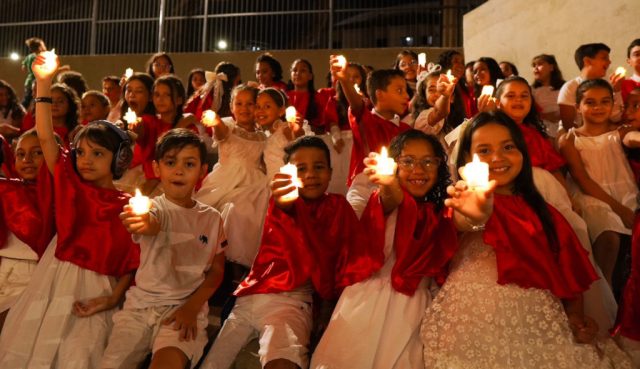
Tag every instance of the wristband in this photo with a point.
(46, 100)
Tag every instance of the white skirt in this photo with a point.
(41, 331)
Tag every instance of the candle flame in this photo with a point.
(140, 204)
(130, 116)
(290, 114)
(621, 71)
(449, 75)
(487, 90)
(422, 59)
(209, 118)
(342, 61)
(356, 87)
(128, 73)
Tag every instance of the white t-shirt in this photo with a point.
(547, 99)
(173, 262)
(567, 96)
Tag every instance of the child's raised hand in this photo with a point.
(335, 67)
(476, 205)
(281, 185)
(135, 224)
(616, 81)
(45, 66)
(446, 86)
(486, 103)
(379, 179)
(185, 320)
(92, 306)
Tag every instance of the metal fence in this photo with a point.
(88, 27)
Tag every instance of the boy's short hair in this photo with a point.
(114, 79)
(380, 80)
(633, 44)
(34, 44)
(307, 141)
(589, 51)
(177, 139)
(592, 83)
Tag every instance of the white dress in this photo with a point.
(605, 162)
(373, 326)
(274, 149)
(237, 187)
(339, 162)
(474, 322)
(17, 263)
(41, 332)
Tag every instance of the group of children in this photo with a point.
(408, 269)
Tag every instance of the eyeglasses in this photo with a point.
(409, 163)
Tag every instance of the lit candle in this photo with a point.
(620, 71)
(49, 60)
(487, 90)
(130, 116)
(128, 73)
(450, 76)
(291, 170)
(342, 61)
(476, 173)
(209, 118)
(385, 165)
(356, 87)
(422, 59)
(290, 114)
(140, 204)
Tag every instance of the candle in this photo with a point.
(130, 116)
(49, 60)
(450, 76)
(476, 173)
(128, 73)
(356, 87)
(209, 118)
(291, 170)
(385, 165)
(140, 204)
(422, 59)
(487, 90)
(290, 114)
(342, 61)
(621, 71)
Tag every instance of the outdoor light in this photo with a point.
(14, 56)
(222, 45)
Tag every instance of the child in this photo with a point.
(94, 106)
(546, 87)
(111, 88)
(514, 293)
(376, 323)
(215, 93)
(301, 93)
(633, 59)
(373, 129)
(508, 69)
(515, 100)
(11, 113)
(631, 118)
(195, 81)
(63, 317)
(269, 72)
(237, 186)
(182, 263)
(463, 103)
(303, 245)
(431, 103)
(270, 108)
(486, 72)
(36, 46)
(606, 189)
(137, 95)
(25, 228)
(407, 63)
(159, 64)
(593, 62)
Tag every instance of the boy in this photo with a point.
(304, 243)
(181, 265)
(36, 46)
(633, 59)
(373, 128)
(593, 62)
(111, 88)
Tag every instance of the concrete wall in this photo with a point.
(95, 67)
(517, 30)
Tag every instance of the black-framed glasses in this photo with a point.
(409, 163)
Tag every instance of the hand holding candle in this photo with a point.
(620, 71)
(291, 114)
(487, 90)
(476, 174)
(450, 76)
(128, 73)
(422, 60)
(341, 61)
(291, 170)
(130, 117)
(140, 204)
(48, 64)
(384, 164)
(209, 118)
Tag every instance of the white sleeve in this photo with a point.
(359, 193)
(566, 96)
(422, 123)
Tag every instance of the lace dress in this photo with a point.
(274, 149)
(237, 187)
(475, 322)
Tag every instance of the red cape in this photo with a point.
(308, 244)
(144, 151)
(543, 154)
(524, 256)
(424, 242)
(8, 160)
(628, 319)
(90, 233)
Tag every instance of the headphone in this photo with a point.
(121, 157)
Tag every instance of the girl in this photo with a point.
(214, 94)
(95, 106)
(514, 292)
(270, 107)
(340, 138)
(464, 104)
(11, 112)
(508, 69)
(301, 93)
(606, 190)
(269, 72)
(376, 321)
(93, 259)
(195, 81)
(159, 65)
(137, 95)
(407, 62)
(515, 100)
(546, 87)
(486, 72)
(64, 111)
(237, 186)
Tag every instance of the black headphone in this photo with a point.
(121, 157)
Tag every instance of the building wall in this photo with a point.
(517, 30)
(95, 67)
